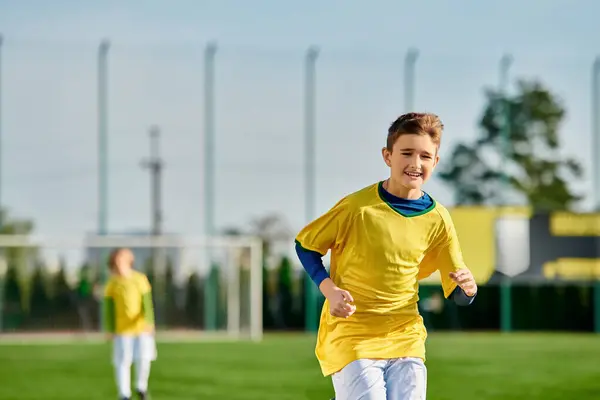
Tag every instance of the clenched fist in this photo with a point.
(339, 300)
(465, 280)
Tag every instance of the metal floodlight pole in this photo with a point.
(209, 136)
(409, 79)
(103, 137)
(596, 169)
(311, 322)
(102, 133)
(210, 293)
(505, 285)
(596, 131)
(155, 165)
(309, 131)
(1, 139)
(1, 208)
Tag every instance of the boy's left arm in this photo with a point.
(108, 311)
(147, 305)
(458, 282)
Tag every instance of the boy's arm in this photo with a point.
(312, 263)
(108, 311)
(147, 305)
(446, 256)
(315, 240)
(339, 299)
(148, 308)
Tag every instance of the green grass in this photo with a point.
(283, 367)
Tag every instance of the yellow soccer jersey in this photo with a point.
(378, 255)
(128, 306)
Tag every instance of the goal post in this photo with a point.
(194, 280)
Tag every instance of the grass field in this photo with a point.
(283, 367)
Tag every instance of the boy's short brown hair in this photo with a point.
(415, 124)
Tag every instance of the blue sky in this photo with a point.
(49, 120)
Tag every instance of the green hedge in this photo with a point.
(534, 307)
(44, 301)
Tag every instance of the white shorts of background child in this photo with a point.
(129, 349)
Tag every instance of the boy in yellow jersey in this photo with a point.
(383, 239)
(129, 320)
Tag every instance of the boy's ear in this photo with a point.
(386, 154)
(437, 160)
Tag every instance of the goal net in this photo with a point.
(200, 286)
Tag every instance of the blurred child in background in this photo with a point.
(129, 322)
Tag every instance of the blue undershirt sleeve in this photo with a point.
(460, 297)
(313, 264)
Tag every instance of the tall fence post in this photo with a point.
(102, 137)
(596, 159)
(311, 297)
(505, 284)
(210, 287)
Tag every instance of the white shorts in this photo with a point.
(129, 348)
(394, 379)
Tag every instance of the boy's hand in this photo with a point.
(465, 280)
(109, 337)
(339, 299)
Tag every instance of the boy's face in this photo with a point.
(412, 160)
(124, 262)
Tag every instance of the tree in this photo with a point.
(270, 228)
(15, 305)
(12, 226)
(17, 256)
(13, 310)
(87, 307)
(148, 269)
(194, 295)
(62, 290)
(284, 283)
(174, 315)
(40, 298)
(534, 168)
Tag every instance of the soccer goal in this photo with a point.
(202, 286)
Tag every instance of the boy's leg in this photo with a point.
(406, 379)
(122, 358)
(360, 380)
(145, 353)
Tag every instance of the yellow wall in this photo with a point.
(476, 231)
